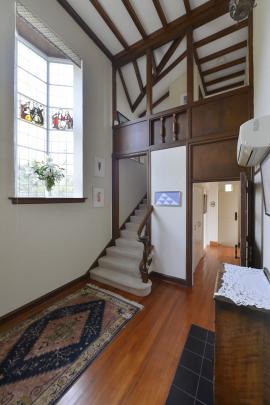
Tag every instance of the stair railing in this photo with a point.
(147, 245)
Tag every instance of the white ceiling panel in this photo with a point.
(196, 3)
(223, 43)
(131, 81)
(212, 27)
(160, 52)
(173, 9)
(147, 14)
(179, 50)
(225, 72)
(142, 67)
(226, 83)
(89, 14)
(122, 20)
(224, 59)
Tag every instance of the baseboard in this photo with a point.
(15, 313)
(172, 279)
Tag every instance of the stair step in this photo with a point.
(121, 281)
(129, 244)
(137, 219)
(118, 251)
(121, 264)
(129, 234)
(140, 212)
(132, 226)
(142, 206)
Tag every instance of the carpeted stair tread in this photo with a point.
(124, 252)
(122, 264)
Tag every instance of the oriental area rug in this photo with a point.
(43, 356)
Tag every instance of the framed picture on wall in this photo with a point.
(98, 197)
(99, 167)
(265, 173)
(168, 198)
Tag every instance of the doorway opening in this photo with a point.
(216, 221)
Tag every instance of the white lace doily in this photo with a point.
(245, 286)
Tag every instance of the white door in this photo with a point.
(197, 245)
(228, 208)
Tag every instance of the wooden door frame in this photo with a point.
(116, 188)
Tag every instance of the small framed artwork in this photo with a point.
(265, 172)
(99, 167)
(98, 197)
(168, 198)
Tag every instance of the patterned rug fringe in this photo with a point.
(136, 304)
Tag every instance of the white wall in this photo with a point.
(132, 186)
(211, 216)
(43, 247)
(262, 102)
(168, 173)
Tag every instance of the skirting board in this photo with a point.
(172, 279)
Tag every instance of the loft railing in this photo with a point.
(147, 245)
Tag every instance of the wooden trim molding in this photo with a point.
(170, 279)
(41, 200)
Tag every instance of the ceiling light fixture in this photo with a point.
(240, 9)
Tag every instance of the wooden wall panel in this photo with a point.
(223, 116)
(131, 138)
(214, 161)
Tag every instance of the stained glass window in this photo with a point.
(45, 120)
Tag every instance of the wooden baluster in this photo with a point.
(174, 128)
(147, 245)
(162, 132)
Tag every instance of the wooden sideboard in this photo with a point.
(242, 353)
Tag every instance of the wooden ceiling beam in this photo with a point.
(109, 22)
(223, 52)
(125, 87)
(160, 12)
(199, 16)
(134, 17)
(156, 103)
(224, 78)
(187, 6)
(225, 88)
(200, 70)
(169, 54)
(221, 34)
(154, 64)
(157, 79)
(224, 66)
(87, 30)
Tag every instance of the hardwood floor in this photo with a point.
(139, 365)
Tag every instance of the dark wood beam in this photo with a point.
(201, 15)
(154, 64)
(138, 75)
(87, 30)
(114, 95)
(225, 88)
(220, 34)
(224, 78)
(109, 22)
(190, 68)
(125, 87)
(224, 66)
(160, 12)
(135, 18)
(187, 6)
(156, 103)
(166, 57)
(223, 52)
(200, 70)
(149, 83)
(157, 79)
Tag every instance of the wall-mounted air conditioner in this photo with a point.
(253, 141)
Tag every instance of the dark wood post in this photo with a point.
(149, 83)
(190, 68)
(114, 94)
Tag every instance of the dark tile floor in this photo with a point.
(193, 380)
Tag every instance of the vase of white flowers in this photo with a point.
(48, 172)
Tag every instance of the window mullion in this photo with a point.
(48, 99)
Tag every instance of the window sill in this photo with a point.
(41, 200)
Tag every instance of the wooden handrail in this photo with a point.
(145, 220)
(147, 245)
